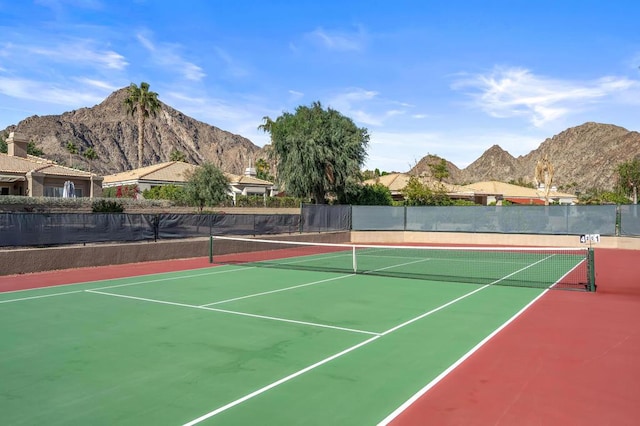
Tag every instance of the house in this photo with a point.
(396, 182)
(483, 193)
(177, 173)
(488, 192)
(27, 175)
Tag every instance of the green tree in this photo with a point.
(164, 192)
(262, 170)
(629, 179)
(72, 149)
(439, 170)
(367, 195)
(177, 156)
(32, 149)
(316, 151)
(3, 145)
(143, 103)
(90, 154)
(418, 194)
(206, 186)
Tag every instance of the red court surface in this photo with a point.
(573, 358)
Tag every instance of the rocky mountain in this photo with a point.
(112, 133)
(583, 157)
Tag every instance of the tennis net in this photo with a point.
(539, 267)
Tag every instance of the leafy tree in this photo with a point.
(164, 192)
(90, 154)
(629, 179)
(439, 170)
(316, 151)
(598, 196)
(144, 103)
(206, 186)
(262, 170)
(367, 195)
(177, 156)
(3, 145)
(368, 174)
(127, 191)
(73, 150)
(418, 194)
(32, 149)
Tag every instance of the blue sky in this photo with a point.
(450, 78)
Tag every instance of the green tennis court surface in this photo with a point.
(239, 345)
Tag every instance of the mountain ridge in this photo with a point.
(112, 133)
(584, 156)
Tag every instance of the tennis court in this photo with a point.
(259, 341)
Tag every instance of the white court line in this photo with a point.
(453, 366)
(346, 351)
(395, 266)
(308, 284)
(244, 314)
(278, 290)
(279, 382)
(111, 286)
(41, 296)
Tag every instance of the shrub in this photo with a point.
(107, 206)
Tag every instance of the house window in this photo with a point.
(78, 192)
(4, 190)
(53, 191)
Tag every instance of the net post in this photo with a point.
(591, 269)
(210, 248)
(355, 262)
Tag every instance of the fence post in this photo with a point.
(404, 219)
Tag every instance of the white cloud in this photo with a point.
(239, 118)
(166, 55)
(74, 51)
(398, 151)
(296, 93)
(70, 96)
(517, 92)
(97, 83)
(341, 41)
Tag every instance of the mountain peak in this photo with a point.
(112, 133)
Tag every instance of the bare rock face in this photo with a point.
(424, 168)
(494, 164)
(113, 134)
(583, 157)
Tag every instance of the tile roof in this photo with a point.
(246, 180)
(509, 190)
(172, 171)
(175, 171)
(19, 165)
(396, 182)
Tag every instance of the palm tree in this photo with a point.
(178, 156)
(73, 150)
(143, 103)
(90, 154)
